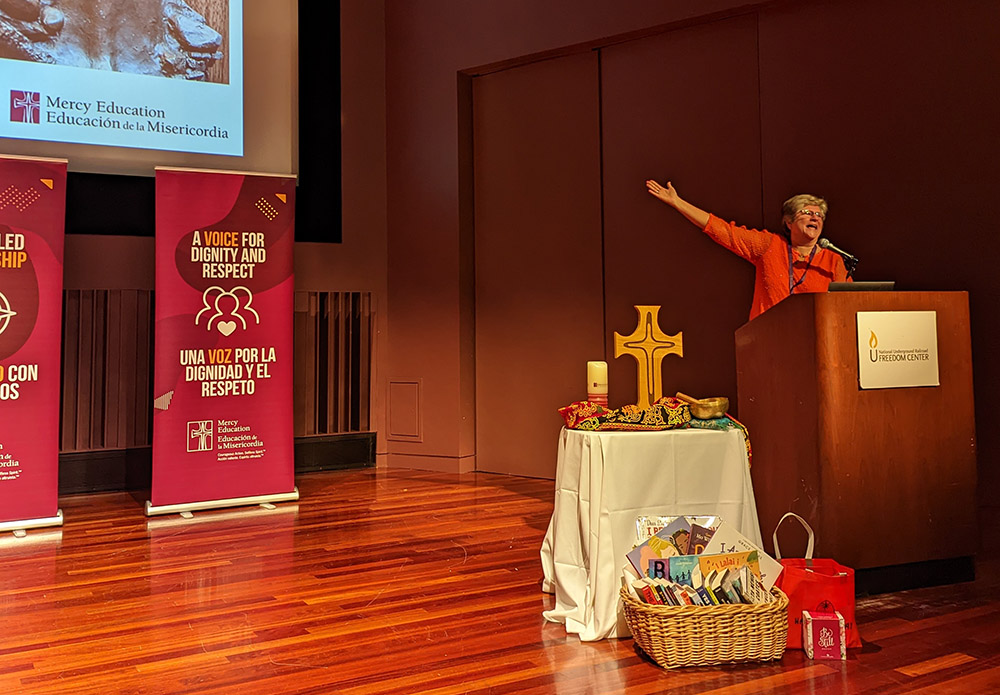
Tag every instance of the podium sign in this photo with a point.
(897, 349)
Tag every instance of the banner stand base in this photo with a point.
(25, 524)
(219, 504)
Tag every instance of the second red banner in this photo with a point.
(222, 425)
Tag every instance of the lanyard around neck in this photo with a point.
(792, 282)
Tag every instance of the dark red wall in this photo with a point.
(431, 283)
(887, 107)
(539, 299)
(682, 106)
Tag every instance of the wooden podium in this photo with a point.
(884, 476)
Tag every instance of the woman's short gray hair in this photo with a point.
(797, 202)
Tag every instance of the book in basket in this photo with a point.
(662, 544)
(727, 539)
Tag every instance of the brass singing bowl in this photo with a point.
(705, 408)
(709, 408)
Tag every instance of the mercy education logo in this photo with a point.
(25, 107)
(199, 436)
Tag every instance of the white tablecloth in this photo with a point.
(603, 481)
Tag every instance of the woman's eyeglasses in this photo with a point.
(811, 213)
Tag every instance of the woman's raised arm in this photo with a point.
(668, 194)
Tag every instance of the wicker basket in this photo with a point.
(706, 635)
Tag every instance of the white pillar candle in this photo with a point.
(597, 377)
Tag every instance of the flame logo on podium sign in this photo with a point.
(872, 344)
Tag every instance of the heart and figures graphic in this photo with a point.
(229, 305)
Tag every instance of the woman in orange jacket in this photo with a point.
(789, 263)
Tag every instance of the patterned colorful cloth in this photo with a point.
(666, 414)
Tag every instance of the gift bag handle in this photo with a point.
(809, 545)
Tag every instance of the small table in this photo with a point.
(603, 481)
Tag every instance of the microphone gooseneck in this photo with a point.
(850, 260)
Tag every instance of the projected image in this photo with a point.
(149, 74)
(172, 38)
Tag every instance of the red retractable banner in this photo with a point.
(222, 422)
(32, 215)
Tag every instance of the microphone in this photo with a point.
(825, 244)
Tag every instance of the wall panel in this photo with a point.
(334, 339)
(680, 106)
(539, 306)
(106, 370)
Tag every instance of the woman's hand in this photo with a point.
(665, 193)
(668, 195)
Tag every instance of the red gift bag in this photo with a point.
(815, 585)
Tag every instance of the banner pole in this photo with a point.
(152, 510)
(25, 524)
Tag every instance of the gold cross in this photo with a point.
(649, 345)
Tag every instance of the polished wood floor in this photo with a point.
(391, 582)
